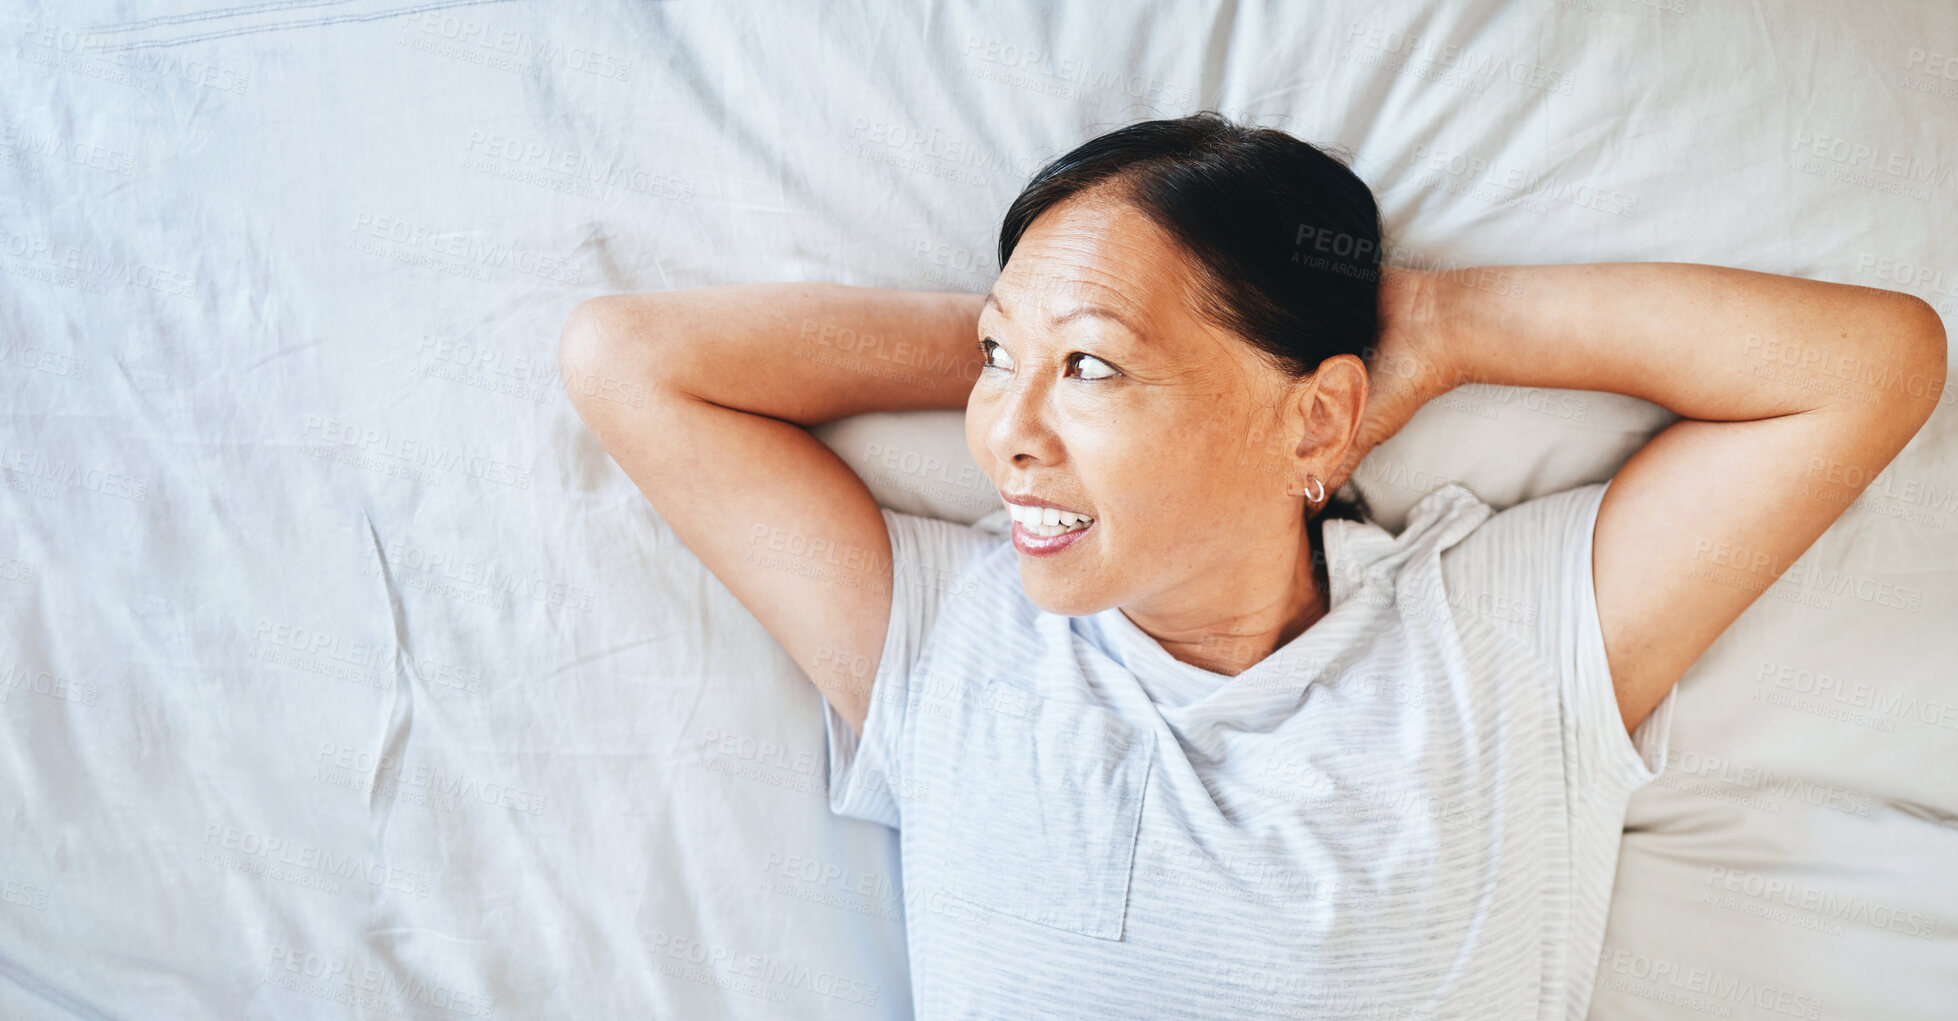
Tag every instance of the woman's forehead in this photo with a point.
(1106, 256)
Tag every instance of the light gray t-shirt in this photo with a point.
(1412, 810)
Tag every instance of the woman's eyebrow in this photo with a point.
(1098, 311)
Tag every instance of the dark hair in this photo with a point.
(1288, 236)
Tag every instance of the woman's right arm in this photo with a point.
(733, 378)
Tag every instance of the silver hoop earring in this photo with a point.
(1322, 490)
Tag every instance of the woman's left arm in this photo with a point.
(1793, 394)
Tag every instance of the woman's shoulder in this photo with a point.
(952, 576)
(1370, 550)
(944, 555)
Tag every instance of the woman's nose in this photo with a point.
(1021, 432)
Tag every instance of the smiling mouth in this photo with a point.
(1035, 544)
(1047, 522)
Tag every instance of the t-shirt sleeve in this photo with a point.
(930, 567)
(1528, 570)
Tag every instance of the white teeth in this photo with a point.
(1048, 521)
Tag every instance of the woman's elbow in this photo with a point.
(1930, 349)
(608, 342)
(581, 345)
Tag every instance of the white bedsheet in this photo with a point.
(344, 675)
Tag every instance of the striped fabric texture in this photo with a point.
(1412, 810)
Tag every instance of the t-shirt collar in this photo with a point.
(1286, 672)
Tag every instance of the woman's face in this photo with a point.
(1104, 392)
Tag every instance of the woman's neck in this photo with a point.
(1266, 614)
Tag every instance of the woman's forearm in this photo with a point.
(806, 353)
(1706, 342)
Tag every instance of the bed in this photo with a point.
(346, 676)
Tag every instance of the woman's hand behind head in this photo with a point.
(1407, 366)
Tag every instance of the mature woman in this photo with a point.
(1203, 740)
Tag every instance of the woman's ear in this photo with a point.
(1330, 410)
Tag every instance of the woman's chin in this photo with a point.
(1065, 604)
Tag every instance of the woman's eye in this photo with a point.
(987, 344)
(988, 347)
(1109, 372)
